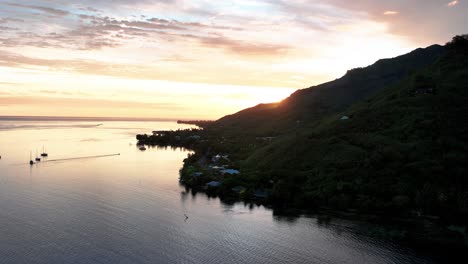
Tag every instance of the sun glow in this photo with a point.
(202, 60)
(43, 93)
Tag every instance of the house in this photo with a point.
(219, 157)
(344, 118)
(196, 137)
(159, 133)
(216, 158)
(213, 184)
(230, 172)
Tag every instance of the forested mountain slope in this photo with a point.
(404, 148)
(311, 104)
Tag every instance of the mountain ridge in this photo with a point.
(324, 96)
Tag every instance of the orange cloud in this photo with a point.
(390, 13)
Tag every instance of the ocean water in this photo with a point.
(130, 208)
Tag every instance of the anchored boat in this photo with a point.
(31, 162)
(44, 152)
(37, 157)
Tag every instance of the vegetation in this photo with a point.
(311, 105)
(180, 138)
(402, 152)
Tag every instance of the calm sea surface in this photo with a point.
(130, 208)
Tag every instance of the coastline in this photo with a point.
(202, 171)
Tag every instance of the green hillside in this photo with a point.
(390, 138)
(311, 104)
(403, 149)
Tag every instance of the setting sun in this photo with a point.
(98, 58)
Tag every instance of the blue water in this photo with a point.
(130, 208)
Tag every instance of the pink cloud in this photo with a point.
(453, 3)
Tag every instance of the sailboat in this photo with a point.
(37, 157)
(44, 153)
(31, 162)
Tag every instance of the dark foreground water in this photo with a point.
(130, 208)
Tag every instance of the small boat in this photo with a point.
(44, 153)
(142, 148)
(31, 162)
(37, 157)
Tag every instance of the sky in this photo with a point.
(197, 59)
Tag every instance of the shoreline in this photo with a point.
(201, 173)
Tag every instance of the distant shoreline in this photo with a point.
(74, 118)
(199, 123)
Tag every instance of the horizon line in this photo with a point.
(86, 118)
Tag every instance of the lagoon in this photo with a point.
(130, 208)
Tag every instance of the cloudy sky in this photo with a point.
(200, 58)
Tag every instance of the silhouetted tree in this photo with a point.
(459, 43)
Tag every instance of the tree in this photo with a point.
(459, 43)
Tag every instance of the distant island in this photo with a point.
(389, 139)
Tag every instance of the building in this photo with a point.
(230, 172)
(213, 184)
(219, 157)
(160, 133)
